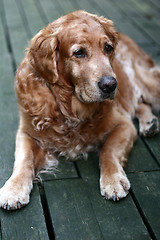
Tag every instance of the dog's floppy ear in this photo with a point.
(109, 29)
(42, 55)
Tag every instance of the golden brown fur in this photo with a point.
(66, 108)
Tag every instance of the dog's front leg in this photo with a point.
(113, 180)
(15, 193)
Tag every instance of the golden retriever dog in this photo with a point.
(78, 88)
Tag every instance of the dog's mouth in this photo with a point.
(105, 89)
(109, 96)
(95, 96)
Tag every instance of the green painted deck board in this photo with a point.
(8, 108)
(66, 6)
(146, 190)
(108, 10)
(141, 21)
(71, 211)
(138, 8)
(154, 146)
(146, 25)
(127, 27)
(50, 9)
(79, 212)
(117, 220)
(33, 17)
(140, 159)
(155, 4)
(18, 35)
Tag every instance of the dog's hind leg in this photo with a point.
(148, 122)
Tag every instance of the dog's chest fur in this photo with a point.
(69, 141)
(71, 137)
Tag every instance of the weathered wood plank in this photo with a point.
(8, 107)
(71, 211)
(16, 29)
(89, 169)
(65, 6)
(79, 212)
(154, 145)
(50, 9)
(87, 6)
(142, 22)
(140, 159)
(117, 220)
(33, 17)
(145, 187)
(155, 4)
(146, 25)
(128, 28)
(108, 10)
(139, 7)
(27, 223)
(41, 12)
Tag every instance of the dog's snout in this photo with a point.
(107, 84)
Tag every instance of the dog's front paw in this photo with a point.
(14, 196)
(150, 127)
(115, 187)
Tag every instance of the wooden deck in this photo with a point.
(68, 206)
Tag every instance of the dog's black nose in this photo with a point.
(107, 84)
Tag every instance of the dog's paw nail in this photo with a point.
(9, 207)
(19, 205)
(6, 206)
(115, 197)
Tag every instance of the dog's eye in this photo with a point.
(79, 53)
(108, 48)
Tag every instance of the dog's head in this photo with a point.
(78, 50)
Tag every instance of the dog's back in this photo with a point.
(142, 76)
